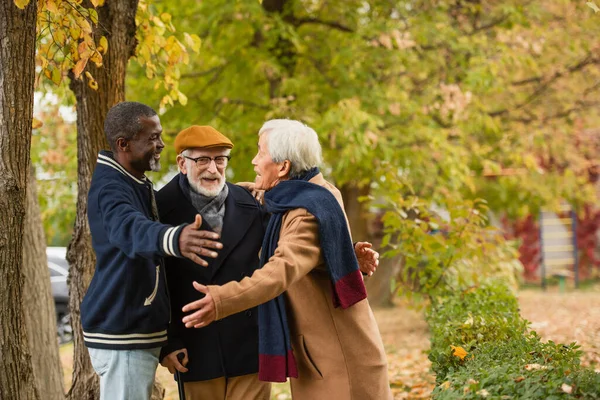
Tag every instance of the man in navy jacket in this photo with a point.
(125, 312)
(221, 362)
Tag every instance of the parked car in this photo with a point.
(59, 270)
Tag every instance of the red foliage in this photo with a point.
(587, 241)
(528, 232)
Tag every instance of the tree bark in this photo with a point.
(365, 227)
(17, 74)
(37, 298)
(117, 23)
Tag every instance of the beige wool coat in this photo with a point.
(339, 353)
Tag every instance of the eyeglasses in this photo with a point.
(220, 161)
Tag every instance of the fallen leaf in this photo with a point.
(519, 378)
(459, 352)
(566, 388)
(533, 367)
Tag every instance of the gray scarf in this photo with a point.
(212, 209)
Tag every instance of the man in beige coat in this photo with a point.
(338, 351)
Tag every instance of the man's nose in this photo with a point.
(212, 166)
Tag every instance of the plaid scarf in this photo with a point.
(276, 360)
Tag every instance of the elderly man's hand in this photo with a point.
(172, 363)
(194, 243)
(258, 194)
(206, 313)
(368, 259)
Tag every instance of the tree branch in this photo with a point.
(310, 20)
(203, 73)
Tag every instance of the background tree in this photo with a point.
(420, 105)
(17, 74)
(40, 315)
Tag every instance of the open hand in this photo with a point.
(194, 243)
(206, 313)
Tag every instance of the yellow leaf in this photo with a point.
(459, 352)
(93, 84)
(445, 385)
(100, 3)
(21, 3)
(60, 37)
(36, 123)
(48, 73)
(56, 76)
(79, 67)
(193, 41)
(94, 3)
(96, 58)
(88, 75)
(104, 44)
(75, 32)
(51, 6)
(43, 60)
(165, 17)
(182, 98)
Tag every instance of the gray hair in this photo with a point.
(294, 141)
(123, 120)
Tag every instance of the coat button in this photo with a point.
(248, 313)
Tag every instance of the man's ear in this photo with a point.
(181, 164)
(122, 144)
(284, 169)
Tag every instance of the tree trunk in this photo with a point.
(118, 18)
(17, 74)
(37, 297)
(365, 227)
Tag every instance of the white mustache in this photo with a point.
(210, 176)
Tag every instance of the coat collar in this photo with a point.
(239, 216)
(107, 158)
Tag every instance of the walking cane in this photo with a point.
(180, 357)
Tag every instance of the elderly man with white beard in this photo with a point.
(221, 362)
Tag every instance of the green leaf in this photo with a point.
(93, 15)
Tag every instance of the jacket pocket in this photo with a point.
(306, 366)
(152, 296)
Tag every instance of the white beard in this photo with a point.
(210, 193)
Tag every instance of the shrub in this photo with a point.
(480, 348)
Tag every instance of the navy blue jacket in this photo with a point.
(228, 347)
(127, 303)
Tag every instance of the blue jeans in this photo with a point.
(125, 374)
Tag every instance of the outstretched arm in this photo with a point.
(298, 253)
